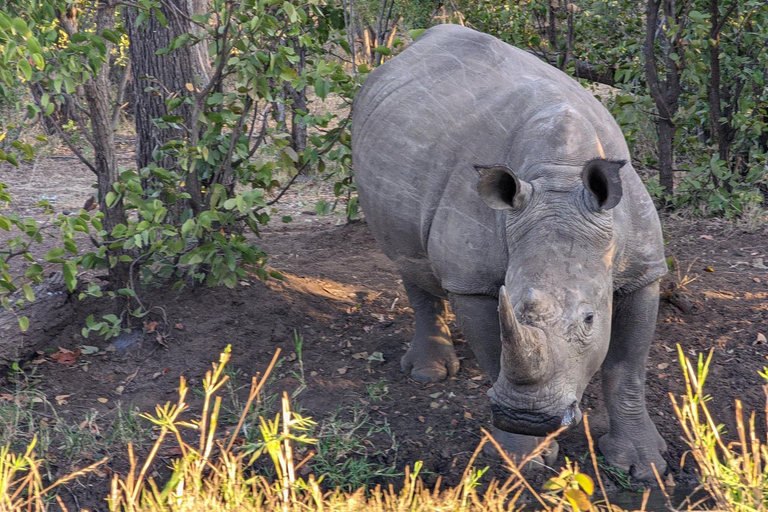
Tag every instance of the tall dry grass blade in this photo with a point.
(662, 487)
(513, 467)
(591, 444)
(252, 396)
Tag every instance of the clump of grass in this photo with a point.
(214, 474)
(734, 474)
(348, 450)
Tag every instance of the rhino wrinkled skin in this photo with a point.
(495, 181)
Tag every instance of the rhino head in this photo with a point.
(556, 303)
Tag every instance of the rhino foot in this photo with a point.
(430, 361)
(519, 446)
(635, 453)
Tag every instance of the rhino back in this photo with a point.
(456, 98)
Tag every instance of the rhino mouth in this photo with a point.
(533, 423)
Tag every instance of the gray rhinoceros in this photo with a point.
(495, 181)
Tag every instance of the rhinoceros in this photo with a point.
(497, 182)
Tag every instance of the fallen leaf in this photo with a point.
(709, 269)
(477, 377)
(467, 415)
(472, 385)
(342, 370)
(421, 419)
(37, 400)
(119, 390)
(61, 399)
(760, 339)
(757, 280)
(150, 328)
(38, 361)
(376, 356)
(662, 366)
(89, 349)
(360, 355)
(292, 357)
(706, 237)
(132, 376)
(436, 395)
(434, 405)
(179, 326)
(67, 357)
(6, 396)
(102, 400)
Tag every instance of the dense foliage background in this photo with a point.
(232, 100)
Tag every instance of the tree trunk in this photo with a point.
(298, 128)
(105, 159)
(159, 77)
(666, 132)
(552, 25)
(665, 94)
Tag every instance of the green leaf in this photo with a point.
(25, 69)
(110, 36)
(69, 84)
(23, 323)
(33, 271)
(20, 26)
(54, 255)
(290, 10)
(28, 293)
(33, 46)
(416, 33)
(188, 226)
(322, 86)
(383, 50)
(70, 275)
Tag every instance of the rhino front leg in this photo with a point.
(431, 357)
(478, 319)
(633, 443)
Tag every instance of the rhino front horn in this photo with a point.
(524, 350)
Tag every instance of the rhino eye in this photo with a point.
(589, 318)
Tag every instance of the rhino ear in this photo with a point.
(602, 179)
(500, 188)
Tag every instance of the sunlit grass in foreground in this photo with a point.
(212, 474)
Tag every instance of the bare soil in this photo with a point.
(343, 297)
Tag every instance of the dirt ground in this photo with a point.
(343, 297)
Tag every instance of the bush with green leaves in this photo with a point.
(188, 213)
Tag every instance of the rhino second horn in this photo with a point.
(524, 349)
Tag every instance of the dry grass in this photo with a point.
(212, 474)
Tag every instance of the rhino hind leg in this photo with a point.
(431, 356)
(633, 443)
